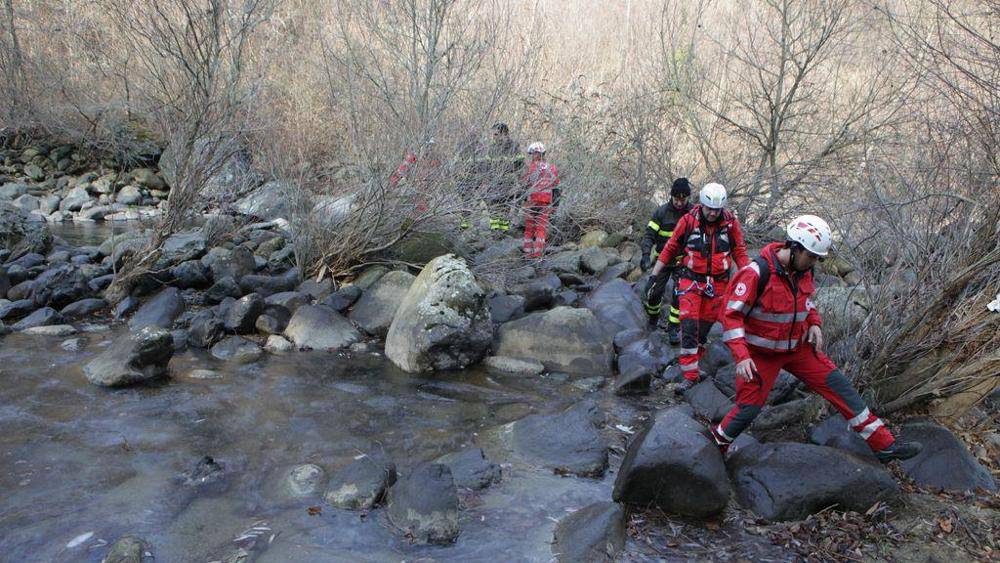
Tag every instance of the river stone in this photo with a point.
(716, 355)
(785, 414)
(60, 286)
(181, 247)
(223, 288)
(362, 484)
(205, 329)
(316, 289)
(21, 291)
(708, 402)
(26, 203)
(318, 328)
(790, 481)
(74, 200)
(514, 366)
(160, 311)
(73, 344)
(20, 233)
(148, 178)
(616, 306)
(278, 345)
(377, 306)
(944, 461)
(595, 533)
(303, 481)
(471, 469)
(269, 201)
(269, 285)
(41, 317)
(539, 293)
(237, 349)
(128, 549)
(506, 307)
(674, 465)
(563, 339)
(242, 315)
(4, 283)
(132, 358)
(342, 299)
(290, 300)
(83, 308)
(234, 263)
(424, 504)
(16, 309)
(204, 374)
(566, 442)
(191, 274)
(833, 432)
(368, 277)
(129, 195)
(13, 190)
(50, 330)
(443, 321)
(595, 260)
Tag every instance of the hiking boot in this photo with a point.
(674, 333)
(899, 450)
(684, 386)
(722, 443)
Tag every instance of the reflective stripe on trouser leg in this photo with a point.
(653, 301)
(690, 352)
(867, 425)
(737, 420)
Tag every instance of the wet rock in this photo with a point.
(41, 317)
(23, 291)
(204, 374)
(50, 330)
(83, 308)
(506, 307)
(125, 307)
(277, 345)
(100, 283)
(20, 233)
(290, 300)
(128, 549)
(944, 462)
(205, 329)
(783, 389)
(132, 358)
(4, 283)
(627, 337)
(303, 481)
(191, 274)
(471, 469)
(595, 533)
(790, 481)
(206, 472)
(160, 311)
(60, 286)
(375, 310)
(269, 285)
(234, 263)
(342, 299)
(223, 288)
(317, 290)
(708, 402)
(647, 355)
(13, 190)
(129, 195)
(514, 366)
(74, 200)
(443, 321)
(73, 344)
(319, 328)
(16, 309)
(674, 465)
(424, 504)
(362, 484)
(242, 315)
(538, 294)
(833, 432)
(237, 349)
(617, 307)
(563, 339)
(566, 442)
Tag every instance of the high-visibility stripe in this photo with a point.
(762, 342)
(674, 319)
(689, 367)
(867, 431)
(861, 417)
(654, 225)
(753, 266)
(675, 310)
(688, 351)
(721, 432)
(733, 334)
(736, 305)
(778, 317)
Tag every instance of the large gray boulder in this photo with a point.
(20, 233)
(362, 484)
(231, 175)
(568, 442)
(41, 317)
(269, 285)
(160, 311)
(377, 307)
(563, 339)
(674, 465)
(270, 201)
(616, 306)
(132, 358)
(595, 533)
(60, 286)
(471, 469)
(237, 349)
(790, 481)
(181, 247)
(242, 315)
(833, 432)
(319, 328)
(443, 321)
(708, 402)
(944, 461)
(424, 504)
(234, 263)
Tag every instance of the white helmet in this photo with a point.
(812, 233)
(536, 147)
(713, 196)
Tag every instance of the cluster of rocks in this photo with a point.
(54, 184)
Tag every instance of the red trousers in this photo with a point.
(536, 220)
(698, 313)
(817, 371)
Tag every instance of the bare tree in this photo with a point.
(15, 79)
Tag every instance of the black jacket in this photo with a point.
(661, 226)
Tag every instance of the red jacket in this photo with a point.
(707, 247)
(540, 178)
(778, 320)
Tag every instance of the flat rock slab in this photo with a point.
(132, 358)
(567, 442)
(160, 311)
(471, 469)
(594, 533)
(424, 504)
(377, 306)
(563, 339)
(515, 366)
(362, 484)
(790, 481)
(237, 349)
(319, 328)
(945, 461)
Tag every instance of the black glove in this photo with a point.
(645, 262)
